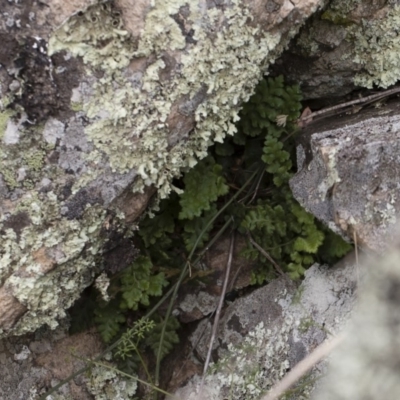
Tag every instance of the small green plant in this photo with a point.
(263, 146)
(243, 184)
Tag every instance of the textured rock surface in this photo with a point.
(99, 100)
(348, 44)
(33, 363)
(30, 365)
(195, 301)
(349, 174)
(264, 334)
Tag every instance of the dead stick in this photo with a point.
(266, 255)
(367, 99)
(218, 311)
(301, 368)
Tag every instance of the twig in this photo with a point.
(257, 187)
(218, 311)
(161, 301)
(301, 368)
(365, 100)
(266, 255)
(184, 272)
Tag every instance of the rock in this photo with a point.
(346, 45)
(102, 104)
(263, 335)
(199, 297)
(348, 170)
(31, 364)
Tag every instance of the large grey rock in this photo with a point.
(263, 335)
(348, 174)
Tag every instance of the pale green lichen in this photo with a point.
(128, 116)
(252, 367)
(4, 117)
(35, 160)
(377, 49)
(10, 178)
(22, 162)
(106, 384)
(46, 294)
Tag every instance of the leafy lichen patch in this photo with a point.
(31, 279)
(130, 117)
(377, 49)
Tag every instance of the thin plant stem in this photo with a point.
(184, 270)
(362, 100)
(144, 365)
(135, 378)
(266, 255)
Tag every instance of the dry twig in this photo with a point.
(266, 255)
(218, 311)
(363, 100)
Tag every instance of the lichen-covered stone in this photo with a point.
(350, 43)
(262, 335)
(101, 104)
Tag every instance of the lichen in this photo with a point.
(31, 278)
(129, 113)
(53, 257)
(377, 49)
(106, 384)
(4, 117)
(249, 369)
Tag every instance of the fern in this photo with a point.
(194, 227)
(267, 213)
(154, 228)
(109, 320)
(203, 185)
(138, 284)
(130, 340)
(170, 339)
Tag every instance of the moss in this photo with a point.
(4, 117)
(336, 18)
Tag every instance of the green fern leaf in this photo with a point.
(137, 284)
(108, 320)
(310, 243)
(170, 338)
(193, 229)
(203, 185)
